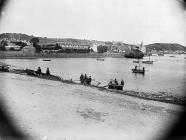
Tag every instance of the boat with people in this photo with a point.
(138, 70)
(115, 85)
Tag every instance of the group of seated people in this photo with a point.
(116, 82)
(84, 79)
(39, 72)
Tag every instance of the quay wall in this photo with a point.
(19, 55)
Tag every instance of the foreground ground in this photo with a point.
(53, 110)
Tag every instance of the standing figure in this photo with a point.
(89, 80)
(136, 67)
(116, 82)
(143, 69)
(48, 72)
(81, 78)
(122, 82)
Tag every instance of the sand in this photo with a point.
(53, 110)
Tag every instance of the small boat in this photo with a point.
(114, 86)
(46, 59)
(148, 61)
(138, 71)
(135, 61)
(100, 59)
(172, 56)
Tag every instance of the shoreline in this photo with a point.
(160, 97)
(19, 55)
(42, 106)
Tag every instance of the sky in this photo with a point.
(130, 21)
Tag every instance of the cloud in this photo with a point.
(126, 20)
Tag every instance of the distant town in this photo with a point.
(25, 45)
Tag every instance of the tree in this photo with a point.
(2, 45)
(57, 46)
(35, 42)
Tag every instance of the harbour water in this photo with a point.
(167, 74)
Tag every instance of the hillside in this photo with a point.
(45, 40)
(166, 46)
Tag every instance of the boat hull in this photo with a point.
(135, 61)
(113, 86)
(147, 62)
(138, 71)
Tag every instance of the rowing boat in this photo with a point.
(114, 86)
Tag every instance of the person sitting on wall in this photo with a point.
(48, 72)
(39, 71)
(89, 80)
(116, 82)
(136, 67)
(85, 79)
(122, 82)
(81, 78)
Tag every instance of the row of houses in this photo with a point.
(120, 48)
(96, 46)
(65, 45)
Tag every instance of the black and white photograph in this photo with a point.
(92, 70)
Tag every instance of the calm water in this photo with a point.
(166, 74)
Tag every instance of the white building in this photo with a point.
(12, 46)
(95, 45)
(29, 50)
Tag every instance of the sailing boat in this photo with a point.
(148, 61)
(136, 69)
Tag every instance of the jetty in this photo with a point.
(161, 97)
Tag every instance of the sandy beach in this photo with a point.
(52, 110)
